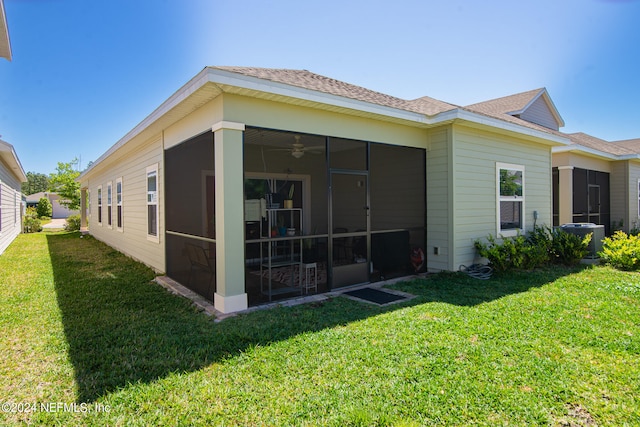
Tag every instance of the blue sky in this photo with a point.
(84, 73)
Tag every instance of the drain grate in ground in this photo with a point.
(376, 296)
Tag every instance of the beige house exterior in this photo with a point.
(11, 178)
(371, 176)
(614, 202)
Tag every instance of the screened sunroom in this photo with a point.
(319, 212)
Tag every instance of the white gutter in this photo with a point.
(472, 117)
(180, 95)
(9, 153)
(254, 83)
(227, 78)
(591, 151)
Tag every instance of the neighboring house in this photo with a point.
(58, 210)
(594, 180)
(11, 178)
(195, 190)
(5, 44)
(597, 181)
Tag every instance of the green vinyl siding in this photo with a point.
(475, 156)
(438, 200)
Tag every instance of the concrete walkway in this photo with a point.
(57, 223)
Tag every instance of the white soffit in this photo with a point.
(9, 156)
(210, 82)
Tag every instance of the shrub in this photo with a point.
(568, 249)
(44, 208)
(621, 251)
(73, 223)
(32, 221)
(517, 252)
(540, 247)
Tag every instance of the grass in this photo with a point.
(84, 325)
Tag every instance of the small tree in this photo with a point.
(32, 221)
(64, 183)
(44, 208)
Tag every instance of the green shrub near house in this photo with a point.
(32, 222)
(73, 223)
(538, 248)
(621, 251)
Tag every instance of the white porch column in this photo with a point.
(83, 209)
(230, 292)
(565, 194)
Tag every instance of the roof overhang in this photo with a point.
(592, 152)
(5, 43)
(212, 82)
(481, 120)
(9, 157)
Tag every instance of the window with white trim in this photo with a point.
(119, 203)
(100, 204)
(109, 191)
(152, 202)
(510, 204)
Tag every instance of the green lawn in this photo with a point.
(85, 327)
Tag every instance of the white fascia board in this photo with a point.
(11, 157)
(586, 150)
(233, 79)
(224, 77)
(180, 95)
(629, 157)
(228, 78)
(500, 124)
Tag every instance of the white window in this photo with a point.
(119, 203)
(152, 203)
(510, 204)
(100, 204)
(109, 191)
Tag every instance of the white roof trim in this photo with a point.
(593, 152)
(249, 82)
(8, 153)
(223, 78)
(501, 124)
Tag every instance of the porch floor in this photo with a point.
(208, 308)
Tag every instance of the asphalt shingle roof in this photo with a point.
(308, 80)
(500, 108)
(589, 141)
(505, 104)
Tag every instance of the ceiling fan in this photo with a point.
(298, 149)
